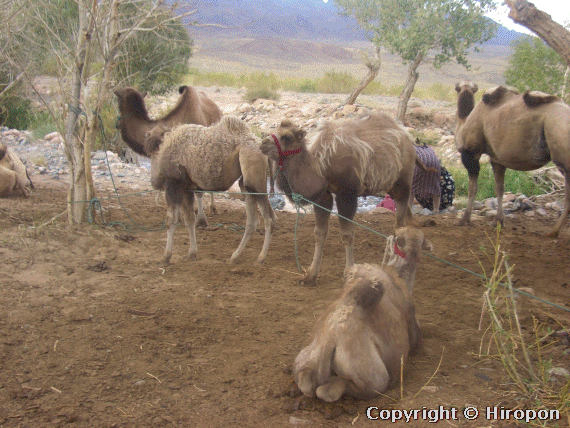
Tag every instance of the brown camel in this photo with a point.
(14, 177)
(362, 340)
(193, 106)
(194, 157)
(520, 132)
(348, 158)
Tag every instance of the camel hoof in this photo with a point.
(461, 222)
(164, 263)
(229, 261)
(308, 282)
(259, 262)
(190, 258)
(552, 234)
(202, 224)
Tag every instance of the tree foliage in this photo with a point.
(534, 65)
(419, 31)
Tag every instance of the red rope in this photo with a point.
(284, 154)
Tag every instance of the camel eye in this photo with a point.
(286, 139)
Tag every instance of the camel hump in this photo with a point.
(537, 98)
(234, 125)
(493, 96)
(366, 285)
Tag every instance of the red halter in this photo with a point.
(284, 154)
(399, 252)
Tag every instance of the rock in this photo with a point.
(490, 213)
(558, 375)
(478, 206)
(530, 214)
(542, 212)
(425, 211)
(298, 421)
(526, 204)
(491, 203)
(349, 109)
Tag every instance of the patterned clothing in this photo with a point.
(447, 192)
(426, 184)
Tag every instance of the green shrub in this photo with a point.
(515, 182)
(260, 93)
(15, 112)
(336, 83)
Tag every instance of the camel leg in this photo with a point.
(268, 222)
(251, 214)
(347, 203)
(401, 193)
(321, 231)
(436, 203)
(190, 222)
(556, 229)
(173, 201)
(471, 164)
(213, 209)
(201, 220)
(499, 173)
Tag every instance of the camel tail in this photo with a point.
(424, 168)
(537, 98)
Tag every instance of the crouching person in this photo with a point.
(359, 343)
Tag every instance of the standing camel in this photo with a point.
(348, 158)
(194, 157)
(193, 106)
(520, 132)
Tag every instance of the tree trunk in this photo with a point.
(540, 23)
(373, 66)
(411, 80)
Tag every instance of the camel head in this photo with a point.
(155, 136)
(131, 103)
(465, 98)
(287, 140)
(409, 242)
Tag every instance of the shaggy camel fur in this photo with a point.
(194, 157)
(520, 132)
(359, 343)
(348, 158)
(192, 107)
(14, 178)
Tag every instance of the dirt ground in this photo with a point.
(94, 334)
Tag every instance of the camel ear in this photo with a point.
(118, 94)
(475, 87)
(427, 246)
(286, 123)
(457, 87)
(181, 89)
(400, 241)
(300, 134)
(144, 94)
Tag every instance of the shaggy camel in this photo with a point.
(194, 157)
(348, 158)
(520, 132)
(14, 178)
(359, 343)
(192, 107)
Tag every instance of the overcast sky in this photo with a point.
(559, 10)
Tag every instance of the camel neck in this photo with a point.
(300, 176)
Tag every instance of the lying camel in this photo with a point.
(348, 158)
(520, 132)
(14, 178)
(360, 342)
(193, 106)
(194, 157)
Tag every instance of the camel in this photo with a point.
(348, 158)
(361, 341)
(520, 132)
(193, 106)
(14, 178)
(194, 157)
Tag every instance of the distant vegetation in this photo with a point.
(332, 82)
(515, 182)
